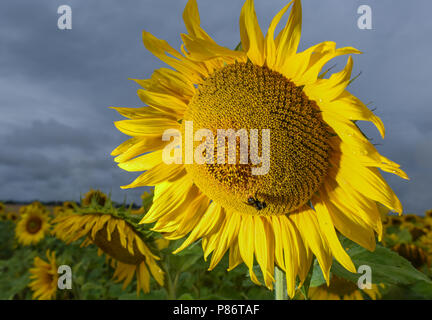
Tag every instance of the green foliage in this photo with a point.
(401, 279)
(187, 275)
(387, 266)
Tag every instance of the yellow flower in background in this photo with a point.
(44, 277)
(428, 217)
(323, 174)
(146, 198)
(32, 225)
(3, 213)
(124, 245)
(12, 216)
(94, 195)
(342, 289)
(69, 205)
(34, 206)
(414, 254)
(66, 208)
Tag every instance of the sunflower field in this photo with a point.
(294, 207)
(112, 257)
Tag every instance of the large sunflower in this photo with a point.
(323, 172)
(117, 237)
(44, 277)
(32, 225)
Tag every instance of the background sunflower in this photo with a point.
(44, 277)
(126, 245)
(33, 225)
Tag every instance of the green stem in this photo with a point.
(280, 291)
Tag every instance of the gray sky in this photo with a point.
(56, 131)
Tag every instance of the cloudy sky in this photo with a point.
(56, 130)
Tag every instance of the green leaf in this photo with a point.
(387, 266)
(186, 296)
(317, 276)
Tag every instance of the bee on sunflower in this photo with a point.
(44, 277)
(33, 224)
(129, 247)
(323, 174)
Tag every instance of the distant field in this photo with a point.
(15, 207)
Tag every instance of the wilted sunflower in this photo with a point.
(45, 277)
(342, 289)
(94, 195)
(120, 239)
(32, 225)
(323, 171)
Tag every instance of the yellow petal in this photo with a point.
(160, 48)
(143, 163)
(192, 21)
(166, 103)
(145, 127)
(306, 222)
(326, 225)
(203, 50)
(270, 46)
(289, 38)
(247, 244)
(158, 174)
(330, 89)
(348, 106)
(251, 35)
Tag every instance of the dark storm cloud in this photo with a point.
(56, 130)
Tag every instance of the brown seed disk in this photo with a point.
(246, 96)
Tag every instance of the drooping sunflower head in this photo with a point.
(304, 169)
(342, 289)
(32, 226)
(127, 245)
(2, 208)
(94, 196)
(44, 277)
